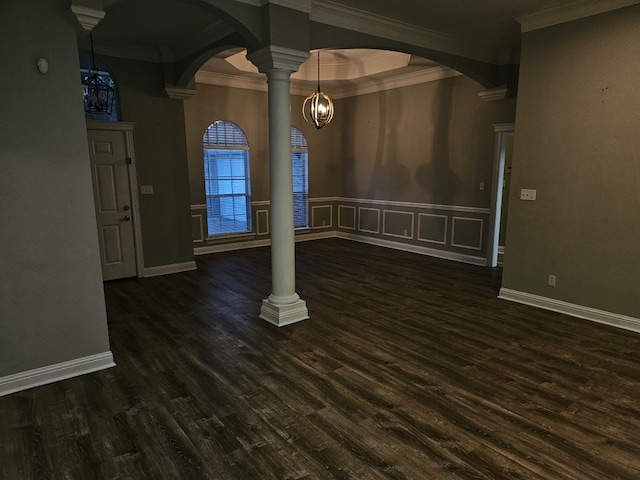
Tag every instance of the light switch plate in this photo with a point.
(146, 189)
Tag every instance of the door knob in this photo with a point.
(126, 218)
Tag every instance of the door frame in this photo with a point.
(127, 128)
(502, 130)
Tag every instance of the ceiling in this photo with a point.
(174, 28)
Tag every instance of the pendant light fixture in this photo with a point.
(318, 107)
(98, 95)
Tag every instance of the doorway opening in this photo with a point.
(504, 136)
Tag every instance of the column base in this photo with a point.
(281, 315)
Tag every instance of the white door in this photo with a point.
(112, 195)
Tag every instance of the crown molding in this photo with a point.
(276, 57)
(568, 12)
(304, 88)
(232, 81)
(177, 93)
(494, 94)
(349, 18)
(87, 17)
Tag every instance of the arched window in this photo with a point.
(226, 179)
(299, 161)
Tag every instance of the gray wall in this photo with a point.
(161, 160)
(578, 143)
(52, 306)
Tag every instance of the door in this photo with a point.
(112, 195)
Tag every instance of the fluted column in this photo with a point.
(283, 306)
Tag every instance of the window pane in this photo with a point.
(227, 184)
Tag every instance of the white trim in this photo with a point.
(568, 12)
(200, 225)
(579, 311)
(430, 206)
(266, 213)
(384, 223)
(377, 210)
(229, 247)
(453, 232)
(168, 269)
(323, 199)
(258, 82)
(261, 203)
(494, 94)
(177, 93)
(87, 17)
(446, 226)
(349, 18)
(340, 225)
(313, 217)
(198, 207)
(53, 373)
(406, 247)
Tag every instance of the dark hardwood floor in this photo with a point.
(409, 368)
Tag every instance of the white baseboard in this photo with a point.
(167, 269)
(432, 252)
(579, 311)
(53, 373)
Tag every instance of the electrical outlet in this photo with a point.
(481, 185)
(528, 194)
(551, 281)
(146, 189)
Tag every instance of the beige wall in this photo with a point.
(428, 143)
(578, 143)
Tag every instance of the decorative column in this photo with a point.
(283, 306)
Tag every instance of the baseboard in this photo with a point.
(168, 269)
(54, 373)
(432, 252)
(579, 311)
(229, 247)
(406, 247)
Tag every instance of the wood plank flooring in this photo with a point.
(409, 368)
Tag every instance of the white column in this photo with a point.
(283, 306)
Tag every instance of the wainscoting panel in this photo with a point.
(346, 217)
(197, 227)
(262, 222)
(432, 228)
(199, 224)
(467, 233)
(321, 216)
(397, 223)
(369, 220)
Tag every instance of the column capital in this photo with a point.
(88, 16)
(274, 57)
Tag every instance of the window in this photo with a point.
(226, 179)
(299, 161)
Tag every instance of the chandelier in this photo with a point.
(318, 107)
(98, 95)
